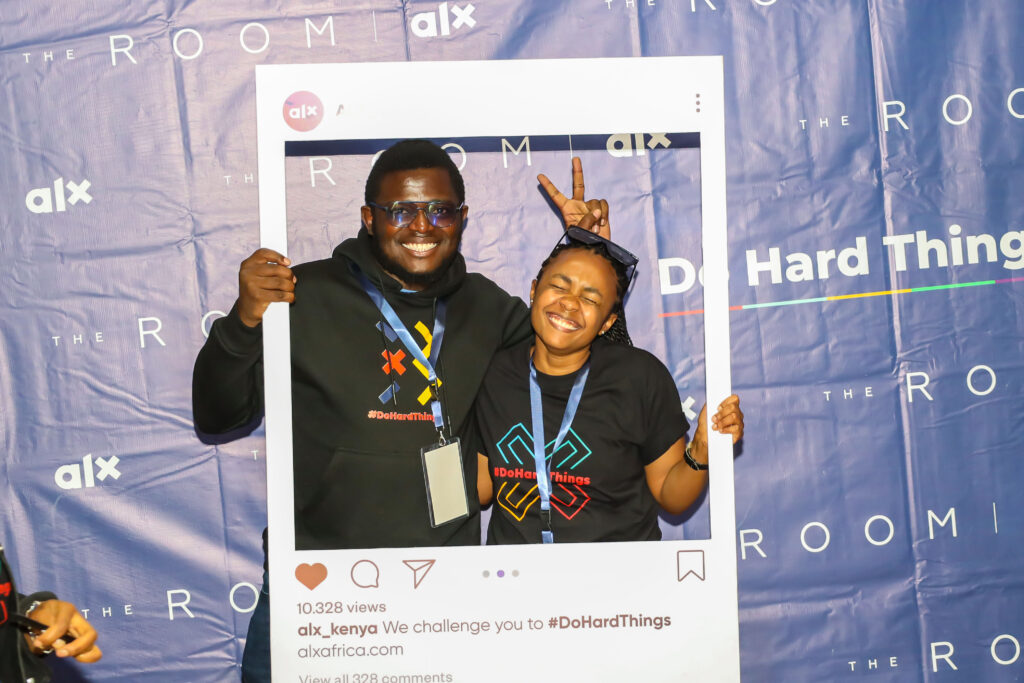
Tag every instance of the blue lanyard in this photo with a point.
(410, 344)
(540, 460)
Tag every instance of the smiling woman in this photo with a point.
(572, 302)
(583, 438)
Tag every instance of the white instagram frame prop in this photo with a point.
(632, 582)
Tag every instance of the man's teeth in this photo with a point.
(420, 246)
(562, 323)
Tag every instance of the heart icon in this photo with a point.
(311, 575)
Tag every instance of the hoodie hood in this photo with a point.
(357, 250)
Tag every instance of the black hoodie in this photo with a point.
(358, 478)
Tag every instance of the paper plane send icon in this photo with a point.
(420, 569)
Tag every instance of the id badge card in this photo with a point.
(446, 482)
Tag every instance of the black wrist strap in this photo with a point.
(690, 461)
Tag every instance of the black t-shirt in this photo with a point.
(628, 417)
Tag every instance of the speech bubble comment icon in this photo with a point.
(690, 562)
(419, 568)
(366, 574)
(311, 575)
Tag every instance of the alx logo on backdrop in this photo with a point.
(447, 18)
(85, 475)
(635, 144)
(47, 200)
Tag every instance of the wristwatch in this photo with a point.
(690, 461)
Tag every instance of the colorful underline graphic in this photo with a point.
(841, 297)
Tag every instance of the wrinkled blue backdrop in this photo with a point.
(878, 511)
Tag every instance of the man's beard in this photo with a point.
(423, 280)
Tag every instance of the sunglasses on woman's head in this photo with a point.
(580, 236)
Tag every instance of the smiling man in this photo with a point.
(416, 220)
(363, 408)
(390, 340)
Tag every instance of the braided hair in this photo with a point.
(617, 332)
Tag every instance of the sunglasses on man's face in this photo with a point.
(440, 214)
(581, 236)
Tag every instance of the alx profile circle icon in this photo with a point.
(303, 111)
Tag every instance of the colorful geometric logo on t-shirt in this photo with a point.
(394, 363)
(516, 449)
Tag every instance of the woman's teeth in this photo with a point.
(563, 323)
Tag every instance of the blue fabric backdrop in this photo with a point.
(878, 513)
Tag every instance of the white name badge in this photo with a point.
(446, 483)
